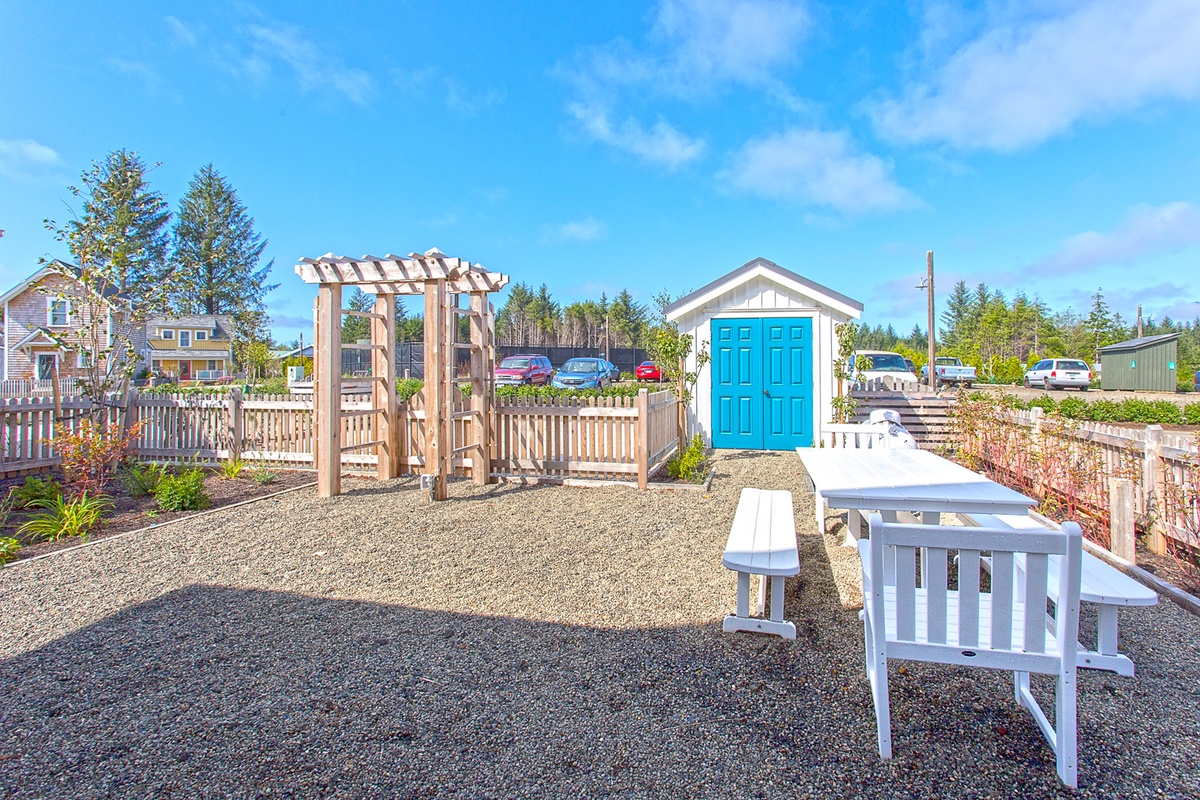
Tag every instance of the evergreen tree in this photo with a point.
(217, 251)
(956, 316)
(123, 228)
(355, 328)
(628, 322)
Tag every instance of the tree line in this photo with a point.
(1002, 337)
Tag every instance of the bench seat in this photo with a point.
(1100, 583)
(762, 541)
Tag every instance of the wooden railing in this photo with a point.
(612, 438)
(22, 388)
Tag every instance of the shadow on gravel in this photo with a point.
(215, 691)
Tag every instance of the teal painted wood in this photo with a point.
(737, 384)
(762, 387)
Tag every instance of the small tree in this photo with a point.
(843, 371)
(117, 245)
(670, 349)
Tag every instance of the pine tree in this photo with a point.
(355, 328)
(123, 228)
(217, 251)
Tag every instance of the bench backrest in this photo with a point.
(856, 436)
(968, 641)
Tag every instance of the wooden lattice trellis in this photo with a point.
(441, 280)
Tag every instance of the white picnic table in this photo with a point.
(890, 481)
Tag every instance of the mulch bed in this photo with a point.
(131, 513)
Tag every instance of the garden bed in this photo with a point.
(130, 513)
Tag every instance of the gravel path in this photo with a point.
(520, 642)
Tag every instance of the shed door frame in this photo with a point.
(763, 384)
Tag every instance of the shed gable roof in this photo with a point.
(761, 267)
(1137, 344)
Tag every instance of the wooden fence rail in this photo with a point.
(28, 387)
(611, 438)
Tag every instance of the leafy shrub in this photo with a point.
(183, 492)
(1104, 411)
(1191, 414)
(553, 391)
(35, 490)
(77, 516)
(92, 454)
(277, 385)
(690, 465)
(1073, 408)
(8, 549)
(263, 476)
(231, 468)
(142, 479)
(407, 387)
(1046, 404)
(1151, 412)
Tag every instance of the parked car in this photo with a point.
(881, 364)
(534, 370)
(949, 370)
(1059, 373)
(908, 362)
(582, 373)
(614, 372)
(648, 371)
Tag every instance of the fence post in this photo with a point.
(1154, 486)
(1121, 537)
(131, 405)
(234, 411)
(642, 443)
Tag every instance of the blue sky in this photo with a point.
(1051, 147)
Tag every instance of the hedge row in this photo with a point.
(1147, 412)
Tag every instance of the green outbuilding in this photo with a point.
(1147, 364)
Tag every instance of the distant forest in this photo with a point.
(1001, 338)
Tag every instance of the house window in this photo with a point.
(156, 367)
(185, 338)
(201, 336)
(212, 365)
(166, 333)
(45, 366)
(58, 312)
(81, 360)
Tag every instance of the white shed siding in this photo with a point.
(759, 296)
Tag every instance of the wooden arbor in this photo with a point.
(441, 279)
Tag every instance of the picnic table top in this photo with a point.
(905, 480)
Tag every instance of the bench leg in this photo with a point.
(742, 621)
(776, 597)
(762, 596)
(743, 594)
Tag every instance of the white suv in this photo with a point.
(1059, 373)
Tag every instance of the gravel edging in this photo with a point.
(118, 536)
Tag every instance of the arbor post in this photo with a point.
(383, 386)
(327, 389)
(437, 383)
(481, 391)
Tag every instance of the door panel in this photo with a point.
(737, 383)
(762, 383)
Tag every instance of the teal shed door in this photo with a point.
(762, 383)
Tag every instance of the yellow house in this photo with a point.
(190, 347)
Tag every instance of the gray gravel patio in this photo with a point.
(538, 641)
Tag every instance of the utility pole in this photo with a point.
(929, 283)
(1139, 320)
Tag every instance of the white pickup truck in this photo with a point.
(950, 370)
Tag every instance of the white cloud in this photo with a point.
(25, 159)
(314, 66)
(661, 144)
(1024, 80)
(181, 31)
(461, 100)
(583, 230)
(816, 167)
(1146, 231)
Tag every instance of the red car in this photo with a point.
(524, 369)
(648, 371)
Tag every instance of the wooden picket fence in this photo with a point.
(1163, 467)
(611, 438)
(29, 387)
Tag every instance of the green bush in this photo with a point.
(262, 476)
(8, 549)
(277, 385)
(1073, 408)
(142, 479)
(183, 492)
(34, 492)
(690, 465)
(1046, 404)
(1104, 411)
(1151, 412)
(554, 391)
(1191, 414)
(75, 517)
(407, 387)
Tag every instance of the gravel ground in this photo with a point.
(520, 642)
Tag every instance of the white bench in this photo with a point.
(762, 542)
(1100, 583)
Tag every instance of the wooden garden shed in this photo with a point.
(771, 334)
(1148, 364)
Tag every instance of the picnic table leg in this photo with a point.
(853, 527)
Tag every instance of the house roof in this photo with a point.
(43, 272)
(1137, 344)
(772, 271)
(31, 338)
(220, 322)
